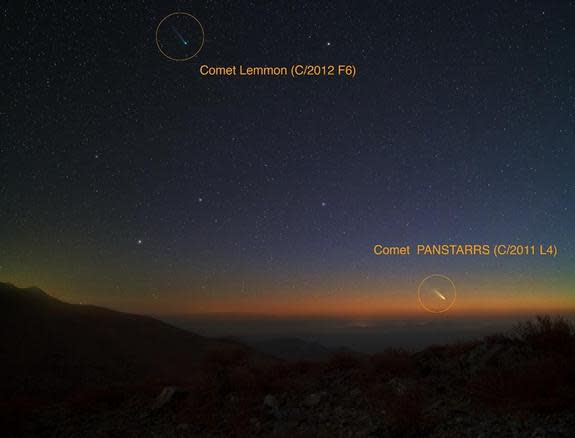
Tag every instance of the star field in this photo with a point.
(128, 179)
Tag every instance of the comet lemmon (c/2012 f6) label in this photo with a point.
(468, 249)
(293, 70)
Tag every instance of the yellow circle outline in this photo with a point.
(421, 301)
(158, 43)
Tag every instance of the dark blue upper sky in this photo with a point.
(129, 173)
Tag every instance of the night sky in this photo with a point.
(128, 180)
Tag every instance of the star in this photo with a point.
(140, 242)
(323, 204)
(328, 43)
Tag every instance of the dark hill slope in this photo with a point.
(50, 348)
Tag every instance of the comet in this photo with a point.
(439, 294)
(182, 39)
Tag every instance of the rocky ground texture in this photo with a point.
(502, 386)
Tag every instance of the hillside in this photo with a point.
(70, 370)
(49, 348)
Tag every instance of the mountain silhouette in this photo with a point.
(49, 348)
(74, 370)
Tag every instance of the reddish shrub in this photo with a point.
(344, 361)
(542, 384)
(497, 338)
(306, 368)
(242, 379)
(454, 350)
(226, 355)
(393, 363)
(88, 399)
(547, 334)
(405, 414)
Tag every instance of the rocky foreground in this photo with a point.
(82, 371)
(521, 385)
